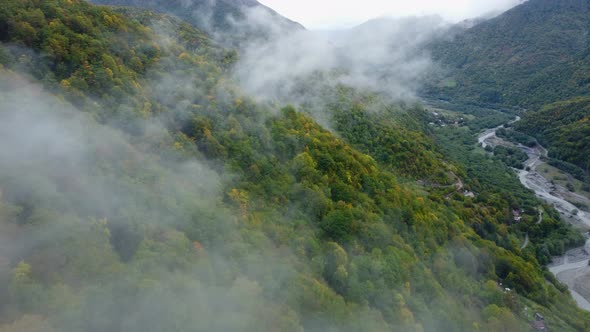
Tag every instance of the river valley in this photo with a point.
(573, 268)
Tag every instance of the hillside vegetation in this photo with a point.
(534, 54)
(564, 128)
(142, 191)
(231, 22)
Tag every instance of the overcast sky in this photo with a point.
(326, 14)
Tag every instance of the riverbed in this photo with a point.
(572, 268)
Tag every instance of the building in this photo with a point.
(539, 323)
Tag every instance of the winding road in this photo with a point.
(526, 242)
(526, 239)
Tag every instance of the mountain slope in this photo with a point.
(564, 127)
(149, 194)
(536, 53)
(229, 21)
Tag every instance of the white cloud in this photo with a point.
(384, 56)
(320, 14)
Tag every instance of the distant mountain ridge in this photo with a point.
(225, 20)
(535, 53)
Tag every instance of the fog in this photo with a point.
(384, 56)
(73, 192)
(277, 56)
(127, 233)
(98, 227)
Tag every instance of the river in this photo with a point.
(575, 262)
(491, 133)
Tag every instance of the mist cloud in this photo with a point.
(71, 187)
(383, 55)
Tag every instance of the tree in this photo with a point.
(26, 293)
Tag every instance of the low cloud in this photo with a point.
(383, 55)
(85, 213)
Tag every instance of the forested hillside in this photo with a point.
(534, 54)
(141, 190)
(564, 128)
(231, 22)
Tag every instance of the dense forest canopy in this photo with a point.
(565, 128)
(142, 190)
(534, 54)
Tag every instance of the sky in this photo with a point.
(333, 14)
